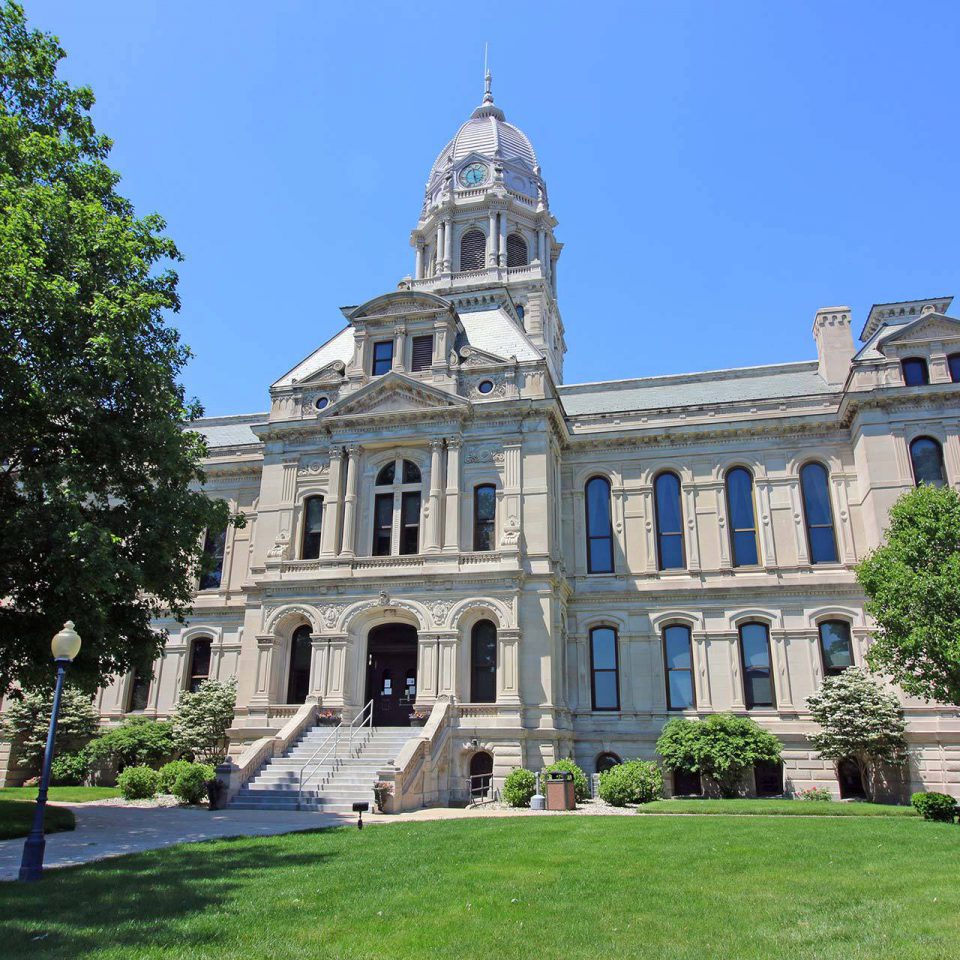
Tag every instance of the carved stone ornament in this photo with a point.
(511, 530)
(330, 614)
(313, 468)
(484, 455)
(439, 611)
(281, 547)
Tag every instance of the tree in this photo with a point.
(202, 719)
(101, 513)
(912, 582)
(27, 719)
(859, 721)
(721, 748)
(139, 741)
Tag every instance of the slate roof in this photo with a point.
(494, 332)
(228, 431)
(694, 389)
(339, 347)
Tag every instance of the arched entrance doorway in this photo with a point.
(298, 677)
(481, 775)
(392, 673)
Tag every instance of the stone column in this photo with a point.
(318, 665)
(399, 335)
(492, 240)
(427, 668)
(335, 680)
(546, 256)
(438, 258)
(266, 643)
(503, 239)
(512, 504)
(329, 547)
(350, 503)
(431, 534)
(451, 525)
(541, 246)
(447, 671)
(508, 666)
(418, 269)
(448, 246)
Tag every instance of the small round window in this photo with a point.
(485, 386)
(322, 403)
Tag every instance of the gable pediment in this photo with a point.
(395, 393)
(928, 328)
(331, 373)
(474, 356)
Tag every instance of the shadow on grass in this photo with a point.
(131, 901)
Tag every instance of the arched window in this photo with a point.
(742, 519)
(818, 513)
(926, 456)
(953, 362)
(915, 372)
(516, 251)
(669, 513)
(397, 505)
(481, 774)
(678, 658)
(836, 648)
(607, 761)
(214, 543)
(599, 527)
(301, 653)
(484, 516)
(755, 661)
(604, 668)
(483, 662)
(199, 663)
(312, 523)
(473, 246)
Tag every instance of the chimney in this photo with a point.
(831, 330)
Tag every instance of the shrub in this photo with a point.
(27, 720)
(722, 748)
(636, 781)
(190, 784)
(935, 806)
(202, 719)
(169, 773)
(581, 785)
(70, 769)
(519, 787)
(138, 783)
(814, 793)
(136, 742)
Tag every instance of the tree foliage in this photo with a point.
(139, 741)
(100, 508)
(636, 781)
(912, 582)
(202, 719)
(27, 719)
(721, 748)
(859, 721)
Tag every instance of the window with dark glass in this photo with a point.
(382, 524)
(421, 353)
(669, 514)
(686, 784)
(199, 663)
(599, 527)
(768, 779)
(410, 472)
(484, 516)
(473, 250)
(516, 251)
(743, 522)
(410, 523)
(607, 761)
(679, 664)
(211, 572)
(396, 504)
(312, 523)
(481, 775)
(139, 691)
(926, 457)
(382, 357)
(604, 668)
(483, 662)
(836, 647)
(818, 513)
(301, 653)
(953, 362)
(915, 372)
(755, 661)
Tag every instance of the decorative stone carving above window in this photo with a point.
(483, 455)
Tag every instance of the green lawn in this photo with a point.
(16, 818)
(525, 888)
(784, 808)
(60, 794)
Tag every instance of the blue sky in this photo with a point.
(719, 170)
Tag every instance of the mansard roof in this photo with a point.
(232, 431)
(694, 389)
(491, 330)
(338, 348)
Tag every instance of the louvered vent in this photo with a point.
(516, 251)
(472, 249)
(422, 353)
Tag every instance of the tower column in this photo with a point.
(434, 519)
(503, 238)
(451, 527)
(492, 240)
(448, 245)
(541, 245)
(438, 254)
(418, 271)
(331, 507)
(350, 504)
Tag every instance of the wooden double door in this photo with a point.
(392, 673)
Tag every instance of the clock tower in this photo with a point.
(485, 233)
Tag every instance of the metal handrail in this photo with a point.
(481, 792)
(335, 736)
(365, 718)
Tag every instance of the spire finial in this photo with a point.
(487, 76)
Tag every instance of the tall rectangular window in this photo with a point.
(604, 670)
(139, 692)
(679, 663)
(382, 524)
(312, 528)
(214, 543)
(669, 516)
(484, 515)
(199, 663)
(410, 523)
(599, 527)
(422, 353)
(382, 357)
(755, 661)
(742, 518)
(915, 372)
(835, 647)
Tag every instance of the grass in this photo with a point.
(60, 794)
(16, 819)
(779, 808)
(670, 888)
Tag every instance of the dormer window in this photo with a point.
(382, 357)
(421, 356)
(915, 372)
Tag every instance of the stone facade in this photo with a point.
(459, 373)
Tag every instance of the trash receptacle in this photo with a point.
(560, 792)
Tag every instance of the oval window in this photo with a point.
(322, 402)
(485, 386)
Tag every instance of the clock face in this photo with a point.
(473, 174)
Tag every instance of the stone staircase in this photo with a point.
(346, 776)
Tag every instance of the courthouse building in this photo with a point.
(440, 529)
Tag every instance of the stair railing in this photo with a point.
(362, 721)
(327, 749)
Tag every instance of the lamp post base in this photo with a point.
(31, 864)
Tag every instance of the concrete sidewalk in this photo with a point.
(108, 831)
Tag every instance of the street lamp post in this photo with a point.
(65, 647)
